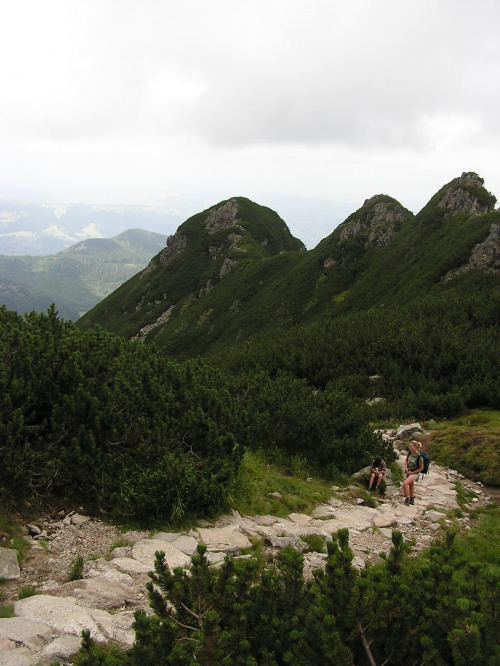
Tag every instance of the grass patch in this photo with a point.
(315, 542)
(482, 542)
(6, 610)
(259, 476)
(76, 569)
(470, 444)
(27, 591)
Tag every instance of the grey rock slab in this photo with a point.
(299, 518)
(130, 566)
(77, 519)
(433, 516)
(66, 616)
(30, 633)
(112, 589)
(323, 511)
(9, 565)
(144, 551)
(354, 517)
(167, 536)
(385, 532)
(62, 647)
(220, 538)
(122, 551)
(385, 520)
(19, 657)
(186, 544)
(214, 558)
(264, 521)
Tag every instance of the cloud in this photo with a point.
(90, 231)
(103, 99)
(54, 231)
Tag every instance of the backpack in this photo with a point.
(427, 461)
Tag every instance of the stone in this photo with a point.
(110, 590)
(299, 518)
(221, 538)
(130, 566)
(214, 558)
(433, 516)
(275, 495)
(9, 564)
(65, 616)
(186, 544)
(166, 536)
(63, 647)
(385, 520)
(122, 551)
(144, 551)
(406, 431)
(33, 530)
(30, 633)
(77, 519)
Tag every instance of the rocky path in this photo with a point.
(47, 626)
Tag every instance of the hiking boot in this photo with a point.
(412, 501)
(407, 501)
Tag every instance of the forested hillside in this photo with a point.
(77, 278)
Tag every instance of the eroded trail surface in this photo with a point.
(48, 625)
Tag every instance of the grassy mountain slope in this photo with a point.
(77, 278)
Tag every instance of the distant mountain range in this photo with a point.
(235, 270)
(42, 229)
(78, 277)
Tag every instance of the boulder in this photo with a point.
(144, 551)
(65, 616)
(223, 538)
(9, 564)
(29, 633)
(407, 431)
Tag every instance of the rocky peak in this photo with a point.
(378, 219)
(222, 217)
(467, 195)
(175, 245)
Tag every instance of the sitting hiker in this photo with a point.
(413, 466)
(377, 470)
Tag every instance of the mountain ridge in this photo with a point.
(228, 294)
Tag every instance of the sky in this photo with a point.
(306, 107)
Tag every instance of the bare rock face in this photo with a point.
(175, 245)
(484, 257)
(459, 199)
(222, 217)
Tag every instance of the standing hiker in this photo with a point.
(413, 466)
(377, 469)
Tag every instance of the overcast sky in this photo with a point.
(306, 107)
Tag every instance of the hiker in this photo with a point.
(413, 467)
(377, 469)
